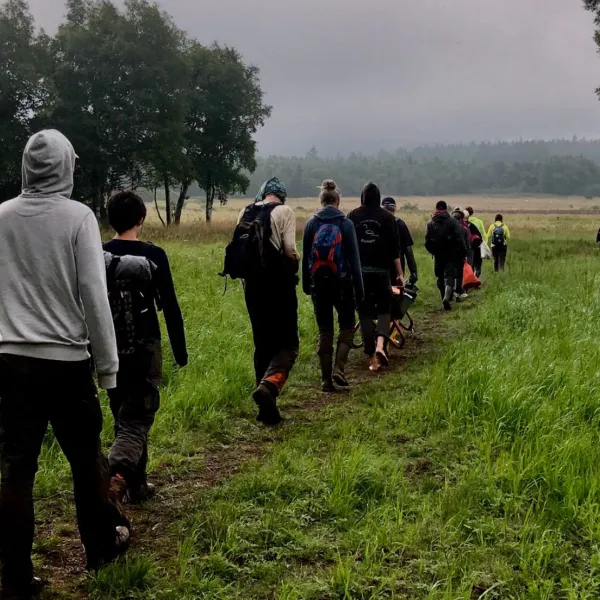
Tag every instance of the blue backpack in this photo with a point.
(499, 236)
(326, 259)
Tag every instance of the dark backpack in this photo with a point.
(131, 295)
(250, 250)
(326, 259)
(499, 236)
(439, 239)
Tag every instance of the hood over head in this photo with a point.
(371, 196)
(48, 165)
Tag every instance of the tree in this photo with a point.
(22, 89)
(225, 109)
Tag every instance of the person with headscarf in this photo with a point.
(379, 247)
(271, 299)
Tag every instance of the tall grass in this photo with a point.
(472, 472)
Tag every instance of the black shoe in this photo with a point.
(28, 592)
(122, 543)
(340, 378)
(327, 386)
(268, 413)
(144, 493)
(447, 305)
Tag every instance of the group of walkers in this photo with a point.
(70, 306)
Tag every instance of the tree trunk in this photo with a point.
(183, 191)
(210, 198)
(158, 209)
(168, 200)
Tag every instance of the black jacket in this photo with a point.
(446, 238)
(165, 289)
(378, 239)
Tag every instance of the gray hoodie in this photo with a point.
(53, 298)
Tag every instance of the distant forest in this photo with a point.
(560, 167)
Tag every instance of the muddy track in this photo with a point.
(154, 532)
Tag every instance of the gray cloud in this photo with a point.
(356, 75)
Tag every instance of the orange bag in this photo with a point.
(470, 280)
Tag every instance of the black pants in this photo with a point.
(445, 272)
(460, 271)
(477, 263)
(499, 253)
(134, 403)
(272, 305)
(376, 306)
(33, 393)
(327, 296)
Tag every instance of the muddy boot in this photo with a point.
(339, 370)
(326, 362)
(265, 397)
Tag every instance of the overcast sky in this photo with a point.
(360, 75)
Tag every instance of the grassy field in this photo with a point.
(470, 470)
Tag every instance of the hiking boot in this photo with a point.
(326, 362)
(144, 493)
(29, 592)
(266, 400)
(341, 358)
(122, 542)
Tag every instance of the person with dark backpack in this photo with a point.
(499, 234)
(139, 283)
(331, 275)
(379, 247)
(445, 241)
(263, 254)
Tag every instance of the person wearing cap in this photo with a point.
(272, 303)
(477, 263)
(55, 308)
(407, 255)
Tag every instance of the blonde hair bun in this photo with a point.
(329, 185)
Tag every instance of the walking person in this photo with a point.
(460, 216)
(477, 263)
(407, 255)
(139, 279)
(332, 276)
(54, 304)
(445, 241)
(499, 234)
(379, 247)
(263, 254)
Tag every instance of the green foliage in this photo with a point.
(446, 170)
(137, 116)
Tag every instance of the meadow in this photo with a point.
(469, 470)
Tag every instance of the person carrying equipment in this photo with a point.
(407, 255)
(445, 241)
(379, 248)
(477, 263)
(263, 254)
(332, 276)
(499, 234)
(139, 281)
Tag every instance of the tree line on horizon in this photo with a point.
(557, 167)
(144, 105)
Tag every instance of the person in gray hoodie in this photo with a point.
(332, 276)
(53, 306)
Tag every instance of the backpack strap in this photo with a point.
(111, 271)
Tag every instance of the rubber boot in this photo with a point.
(341, 358)
(448, 297)
(326, 361)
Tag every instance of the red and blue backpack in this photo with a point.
(326, 257)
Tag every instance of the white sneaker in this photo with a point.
(464, 296)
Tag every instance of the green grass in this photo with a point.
(471, 471)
